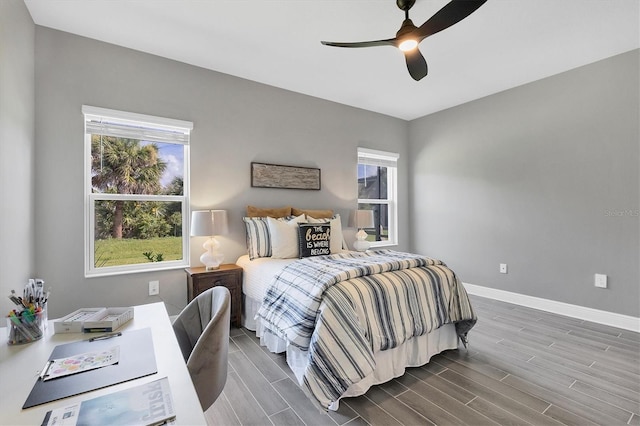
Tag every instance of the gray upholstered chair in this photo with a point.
(202, 330)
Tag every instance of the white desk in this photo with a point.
(20, 365)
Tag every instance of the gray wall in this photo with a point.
(539, 177)
(543, 177)
(17, 257)
(235, 122)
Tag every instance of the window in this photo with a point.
(377, 191)
(136, 192)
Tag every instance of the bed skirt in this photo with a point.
(389, 364)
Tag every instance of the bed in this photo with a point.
(339, 348)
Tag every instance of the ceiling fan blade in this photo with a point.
(416, 64)
(452, 13)
(388, 42)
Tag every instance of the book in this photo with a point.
(145, 405)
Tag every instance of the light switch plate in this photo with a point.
(601, 281)
(154, 288)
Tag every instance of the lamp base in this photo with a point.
(212, 258)
(211, 261)
(361, 243)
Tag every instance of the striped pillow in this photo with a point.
(258, 238)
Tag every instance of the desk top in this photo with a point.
(20, 366)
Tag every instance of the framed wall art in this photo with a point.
(265, 175)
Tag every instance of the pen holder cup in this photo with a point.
(26, 328)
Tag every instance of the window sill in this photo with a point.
(128, 270)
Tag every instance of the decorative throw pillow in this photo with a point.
(314, 239)
(318, 214)
(258, 237)
(253, 211)
(336, 231)
(284, 237)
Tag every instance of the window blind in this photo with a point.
(377, 158)
(100, 121)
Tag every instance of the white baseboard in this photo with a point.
(589, 314)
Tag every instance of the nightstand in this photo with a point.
(228, 275)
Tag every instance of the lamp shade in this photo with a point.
(361, 219)
(206, 223)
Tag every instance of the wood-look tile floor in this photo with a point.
(523, 366)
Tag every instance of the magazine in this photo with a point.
(145, 405)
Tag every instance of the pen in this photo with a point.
(105, 336)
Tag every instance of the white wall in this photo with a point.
(235, 122)
(543, 177)
(17, 257)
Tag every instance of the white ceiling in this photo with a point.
(505, 43)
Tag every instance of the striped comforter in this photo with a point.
(345, 307)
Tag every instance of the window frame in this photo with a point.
(165, 126)
(389, 160)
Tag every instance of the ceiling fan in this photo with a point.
(409, 36)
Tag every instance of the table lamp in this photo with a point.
(362, 219)
(208, 223)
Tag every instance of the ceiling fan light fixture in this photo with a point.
(408, 45)
(409, 36)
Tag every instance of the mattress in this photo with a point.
(256, 277)
(258, 273)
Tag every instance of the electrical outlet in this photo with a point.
(503, 268)
(154, 288)
(601, 281)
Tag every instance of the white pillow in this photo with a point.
(336, 232)
(284, 237)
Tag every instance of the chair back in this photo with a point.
(202, 330)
